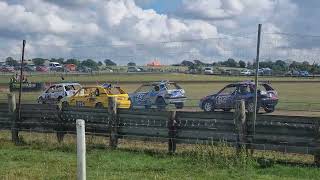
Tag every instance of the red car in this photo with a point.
(42, 68)
(6, 69)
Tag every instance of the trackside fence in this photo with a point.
(288, 134)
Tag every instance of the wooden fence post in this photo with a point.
(317, 142)
(12, 110)
(172, 132)
(60, 130)
(240, 124)
(112, 109)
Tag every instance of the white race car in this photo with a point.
(58, 91)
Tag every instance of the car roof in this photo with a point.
(159, 82)
(66, 84)
(245, 83)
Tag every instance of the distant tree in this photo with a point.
(90, 63)
(109, 62)
(242, 64)
(131, 64)
(38, 61)
(100, 63)
(187, 63)
(72, 61)
(249, 65)
(230, 63)
(11, 62)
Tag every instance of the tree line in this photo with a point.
(276, 66)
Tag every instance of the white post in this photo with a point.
(81, 150)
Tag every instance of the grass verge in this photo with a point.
(46, 160)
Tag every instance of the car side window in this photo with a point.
(59, 89)
(228, 90)
(51, 89)
(156, 88)
(243, 90)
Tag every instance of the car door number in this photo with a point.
(79, 103)
(222, 99)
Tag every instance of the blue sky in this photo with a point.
(135, 30)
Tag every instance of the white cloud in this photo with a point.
(101, 29)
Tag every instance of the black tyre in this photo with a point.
(250, 106)
(99, 106)
(41, 101)
(269, 109)
(179, 105)
(65, 104)
(207, 106)
(160, 102)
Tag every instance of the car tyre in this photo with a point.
(65, 104)
(160, 102)
(250, 106)
(208, 106)
(269, 109)
(179, 105)
(99, 106)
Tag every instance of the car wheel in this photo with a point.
(208, 106)
(41, 101)
(99, 106)
(160, 102)
(65, 104)
(250, 107)
(59, 98)
(269, 109)
(179, 105)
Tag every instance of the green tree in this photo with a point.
(38, 61)
(90, 63)
(72, 61)
(242, 64)
(11, 62)
(230, 63)
(109, 62)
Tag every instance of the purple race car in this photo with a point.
(226, 97)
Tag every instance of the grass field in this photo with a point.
(143, 77)
(46, 160)
(293, 95)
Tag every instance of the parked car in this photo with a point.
(6, 68)
(42, 69)
(29, 68)
(97, 96)
(56, 92)
(208, 70)
(133, 69)
(246, 72)
(160, 94)
(226, 97)
(265, 72)
(304, 73)
(84, 69)
(55, 66)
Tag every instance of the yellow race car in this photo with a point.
(97, 96)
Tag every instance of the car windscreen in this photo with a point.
(115, 90)
(228, 90)
(144, 88)
(171, 86)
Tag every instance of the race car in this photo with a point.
(160, 94)
(97, 96)
(226, 97)
(56, 92)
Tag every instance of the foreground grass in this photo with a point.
(38, 161)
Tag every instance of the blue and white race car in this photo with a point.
(159, 94)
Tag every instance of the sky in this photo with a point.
(166, 30)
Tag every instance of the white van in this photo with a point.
(55, 66)
(208, 70)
